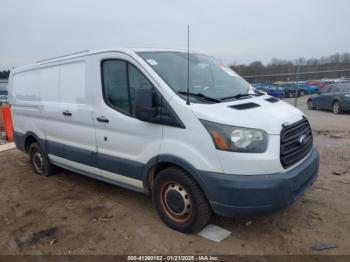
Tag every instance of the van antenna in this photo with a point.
(188, 65)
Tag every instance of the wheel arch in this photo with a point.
(336, 99)
(160, 162)
(29, 138)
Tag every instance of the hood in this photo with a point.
(265, 115)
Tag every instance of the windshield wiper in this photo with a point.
(199, 95)
(238, 96)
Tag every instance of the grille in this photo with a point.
(296, 142)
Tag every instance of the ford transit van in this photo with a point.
(181, 127)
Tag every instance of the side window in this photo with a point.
(136, 81)
(115, 84)
(120, 82)
(334, 89)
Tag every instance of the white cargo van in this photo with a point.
(124, 116)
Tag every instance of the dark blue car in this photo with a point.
(336, 98)
(275, 91)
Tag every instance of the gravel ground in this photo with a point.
(71, 214)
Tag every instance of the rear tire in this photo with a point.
(40, 160)
(179, 201)
(337, 109)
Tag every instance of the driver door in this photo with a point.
(124, 143)
(328, 98)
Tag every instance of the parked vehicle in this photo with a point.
(125, 116)
(302, 86)
(313, 89)
(3, 97)
(335, 98)
(290, 89)
(319, 84)
(275, 91)
(262, 86)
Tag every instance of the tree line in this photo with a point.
(279, 66)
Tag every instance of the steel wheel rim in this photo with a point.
(38, 161)
(185, 214)
(310, 105)
(336, 108)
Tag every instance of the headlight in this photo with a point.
(237, 139)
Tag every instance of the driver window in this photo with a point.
(120, 83)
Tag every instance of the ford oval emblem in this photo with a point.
(302, 139)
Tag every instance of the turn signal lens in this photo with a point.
(219, 141)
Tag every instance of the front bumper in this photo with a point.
(233, 195)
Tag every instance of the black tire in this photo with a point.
(337, 108)
(174, 191)
(310, 105)
(40, 160)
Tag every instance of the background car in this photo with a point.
(261, 86)
(3, 97)
(275, 91)
(313, 89)
(303, 87)
(289, 89)
(335, 98)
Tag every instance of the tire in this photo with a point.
(40, 160)
(179, 201)
(337, 109)
(310, 105)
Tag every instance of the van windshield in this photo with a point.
(208, 78)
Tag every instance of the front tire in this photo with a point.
(337, 109)
(310, 105)
(40, 160)
(179, 201)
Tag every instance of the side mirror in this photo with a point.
(145, 109)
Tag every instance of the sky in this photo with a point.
(234, 31)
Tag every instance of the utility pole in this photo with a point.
(297, 86)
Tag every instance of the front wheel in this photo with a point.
(179, 201)
(310, 105)
(337, 109)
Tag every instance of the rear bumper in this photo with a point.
(233, 195)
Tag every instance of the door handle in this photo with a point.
(67, 113)
(102, 119)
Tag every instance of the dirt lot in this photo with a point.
(72, 214)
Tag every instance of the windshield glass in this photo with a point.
(207, 76)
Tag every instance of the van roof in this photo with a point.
(91, 52)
